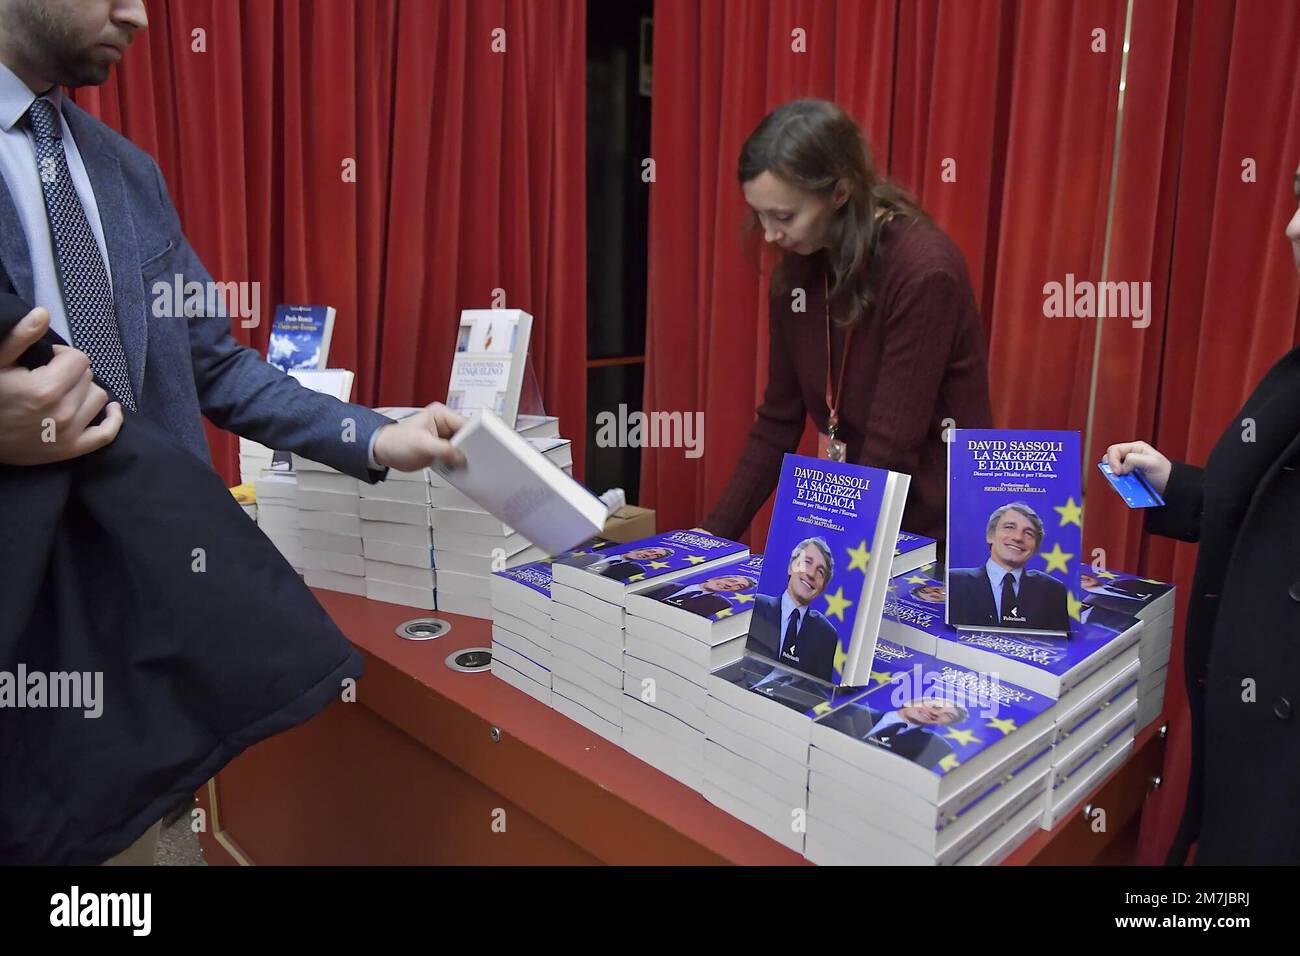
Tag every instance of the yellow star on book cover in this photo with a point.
(1057, 560)
(963, 737)
(1108, 575)
(657, 564)
(725, 612)
(841, 658)
(858, 558)
(881, 677)
(1070, 513)
(1147, 580)
(1004, 724)
(823, 708)
(743, 598)
(949, 763)
(1074, 606)
(694, 559)
(916, 579)
(637, 577)
(837, 604)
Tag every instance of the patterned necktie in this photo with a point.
(87, 295)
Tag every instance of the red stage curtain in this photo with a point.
(470, 172)
(1014, 93)
(1217, 85)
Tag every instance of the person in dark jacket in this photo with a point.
(86, 226)
(1241, 658)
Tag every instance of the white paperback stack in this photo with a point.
(589, 592)
(277, 513)
(469, 543)
(1094, 735)
(521, 625)
(329, 527)
(758, 718)
(396, 534)
(935, 764)
(521, 628)
(676, 635)
(1113, 593)
(278, 484)
(396, 539)
(253, 460)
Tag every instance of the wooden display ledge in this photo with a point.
(427, 763)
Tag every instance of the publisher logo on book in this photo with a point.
(1084, 299)
(624, 429)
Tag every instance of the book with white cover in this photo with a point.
(538, 426)
(336, 382)
(520, 487)
(487, 371)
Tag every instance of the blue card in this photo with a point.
(1133, 487)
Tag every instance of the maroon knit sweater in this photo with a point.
(917, 358)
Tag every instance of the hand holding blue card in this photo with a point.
(1133, 487)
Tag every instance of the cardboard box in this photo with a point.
(629, 523)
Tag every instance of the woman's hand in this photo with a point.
(1126, 456)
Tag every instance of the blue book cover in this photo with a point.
(1015, 530)
(1038, 661)
(890, 658)
(934, 714)
(536, 575)
(1108, 593)
(915, 607)
(791, 689)
(300, 337)
(908, 542)
(722, 592)
(633, 567)
(819, 600)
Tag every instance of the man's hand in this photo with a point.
(420, 440)
(44, 413)
(1129, 455)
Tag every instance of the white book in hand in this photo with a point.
(519, 486)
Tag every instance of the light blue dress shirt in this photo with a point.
(18, 166)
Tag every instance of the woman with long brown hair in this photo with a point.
(875, 334)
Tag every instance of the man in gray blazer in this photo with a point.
(86, 230)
